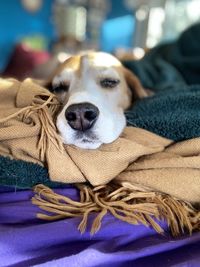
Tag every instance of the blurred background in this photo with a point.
(35, 35)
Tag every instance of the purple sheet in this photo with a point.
(27, 241)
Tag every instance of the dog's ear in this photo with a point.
(48, 85)
(134, 84)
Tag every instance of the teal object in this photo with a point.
(23, 175)
(16, 23)
(173, 73)
(173, 113)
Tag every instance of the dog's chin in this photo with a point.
(87, 144)
(84, 143)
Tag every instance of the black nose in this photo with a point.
(81, 117)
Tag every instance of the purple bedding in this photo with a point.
(27, 241)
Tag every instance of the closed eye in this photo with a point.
(60, 88)
(109, 82)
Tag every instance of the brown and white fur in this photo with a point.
(95, 90)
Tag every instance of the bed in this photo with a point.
(27, 241)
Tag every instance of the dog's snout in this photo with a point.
(81, 117)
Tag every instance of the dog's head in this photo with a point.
(94, 90)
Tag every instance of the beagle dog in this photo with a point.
(94, 90)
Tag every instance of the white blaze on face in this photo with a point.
(86, 87)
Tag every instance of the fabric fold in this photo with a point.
(28, 132)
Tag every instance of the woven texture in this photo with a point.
(141, 176)
(28, 133)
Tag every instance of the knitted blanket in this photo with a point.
(140, 175)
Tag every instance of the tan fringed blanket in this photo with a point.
(163, 177)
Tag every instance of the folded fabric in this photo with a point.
(172, 71)
(140, 175)
(28, 133)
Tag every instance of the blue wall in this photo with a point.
(118, 9)
(16, 22)
(118, 28)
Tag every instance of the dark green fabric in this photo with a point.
(21, 174)
(173, 113)
(172, 71)
(170, 64)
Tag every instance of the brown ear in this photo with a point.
(134, 84)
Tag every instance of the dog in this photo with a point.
(94, 90)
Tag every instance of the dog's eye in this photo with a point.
(60, 88)
(109, 83)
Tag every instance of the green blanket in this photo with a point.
(172, 71)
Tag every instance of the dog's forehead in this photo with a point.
(96, 59)
(101, 59)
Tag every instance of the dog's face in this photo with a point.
(94, 90)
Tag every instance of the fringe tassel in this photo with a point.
(130, 203)
(46, 106)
